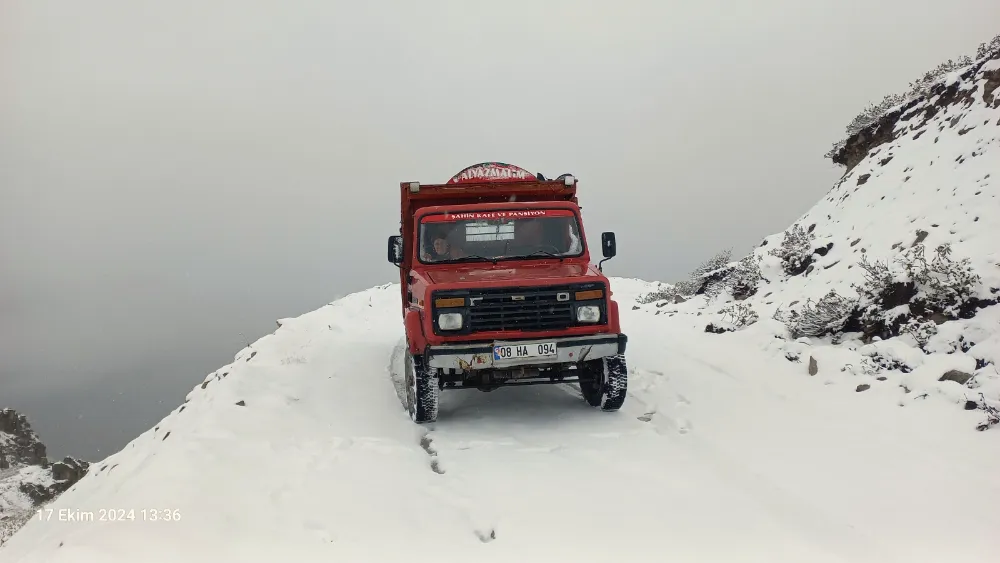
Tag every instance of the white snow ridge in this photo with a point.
(821, 436)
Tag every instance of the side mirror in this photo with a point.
(395, 250)
(608, 247)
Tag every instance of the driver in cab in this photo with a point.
(443, 245)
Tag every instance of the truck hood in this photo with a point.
(502, 273)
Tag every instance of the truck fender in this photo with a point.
(414, 332)
(613, 316)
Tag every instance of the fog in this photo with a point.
(174, 176)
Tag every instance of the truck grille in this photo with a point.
(525, 309)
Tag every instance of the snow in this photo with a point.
(15, 506)
(742, 446)
(936, 182)
(11, 498)
(722, 452)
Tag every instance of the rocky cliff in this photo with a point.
(28, 480)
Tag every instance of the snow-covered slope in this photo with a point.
(922, 191)
(937, 181)
(301, 450)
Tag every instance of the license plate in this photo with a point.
(506, 352)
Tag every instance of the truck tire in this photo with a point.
(604, 382)
(421, 390)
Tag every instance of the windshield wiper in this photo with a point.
(474, 256)
(542, 252)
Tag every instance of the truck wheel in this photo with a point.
(421, 390)
(604, 382)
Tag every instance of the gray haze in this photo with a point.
(173, 174)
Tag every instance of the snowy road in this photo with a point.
(301, 449)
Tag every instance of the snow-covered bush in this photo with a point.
(686, 288)
(795, 251)
(715, 283)
(922, 86)
(913, 291)
(919, 87)
(873, 112)
(668, 293)
(740, 314)
(713, 264)
(943, 285)
(877, 363)
(712, 277)
(992, 413)
(829, 315)
(921, 330)
(709, 277)
(989, 49)
(745, 277)
(705, 275)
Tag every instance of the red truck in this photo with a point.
(498, 289)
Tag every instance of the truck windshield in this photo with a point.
(498, 235)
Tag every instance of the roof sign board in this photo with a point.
(491, 172)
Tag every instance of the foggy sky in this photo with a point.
(173, 174)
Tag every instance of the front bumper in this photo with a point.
(569, 350)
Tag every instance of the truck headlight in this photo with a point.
(588, 314)
(450, 321)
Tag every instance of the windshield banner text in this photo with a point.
(494, 215)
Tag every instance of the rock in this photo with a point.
(27, 470)
(65, 474)
(23, 446)
(959, 377)
(69, 469)
(824, 250)
(37, 493)
(939, 318)
(863, 387)
(971, 405)
(813, 367)
(241, 404)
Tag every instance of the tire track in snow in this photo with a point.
(521, 458)
(464, 431)
(479, 521)
(518, 464)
